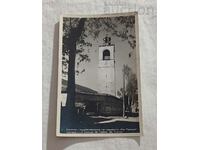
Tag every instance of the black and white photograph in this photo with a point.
(99, 76)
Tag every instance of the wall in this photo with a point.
(106, 71)
(111, 101)
(52, 9)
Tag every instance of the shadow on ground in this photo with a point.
(83, 121)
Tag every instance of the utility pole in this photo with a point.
(123, 91)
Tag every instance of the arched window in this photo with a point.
(106, 55)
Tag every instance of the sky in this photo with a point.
(89, 78)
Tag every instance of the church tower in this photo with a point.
(106, 68)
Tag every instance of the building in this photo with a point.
(91, 102)
(103, 101)
(98, 104)
(106, 68)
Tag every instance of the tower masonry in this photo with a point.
(106, 68)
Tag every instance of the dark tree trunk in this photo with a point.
(74, 37)
(68, 113)
(71, 77)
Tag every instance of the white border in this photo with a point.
(60, 75)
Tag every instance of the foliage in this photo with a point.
(122, 27)
(131, 86)
(120, 93)
(75, 34)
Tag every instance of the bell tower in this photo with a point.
(106, 68)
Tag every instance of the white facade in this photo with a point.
(106, 70)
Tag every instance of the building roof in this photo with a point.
(100, 96)
(81, 90)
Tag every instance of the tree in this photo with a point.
(75, 31)
(129, 88)
(120, 93)
(132, 89)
